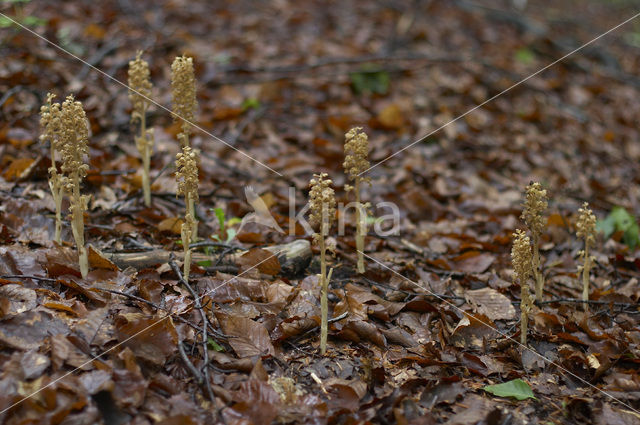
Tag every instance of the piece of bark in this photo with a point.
(294, 257)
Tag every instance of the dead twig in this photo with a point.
(205, 325)
(194, 371)
(24, 276)
(157, 307)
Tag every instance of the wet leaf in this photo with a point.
(151, 338)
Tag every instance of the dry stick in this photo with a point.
(205, 325)
(25, 276)
(594, 302)
(194, 371)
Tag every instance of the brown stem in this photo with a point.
(324, 308)
(146, 186)
(77, 225)
(585, 276)
(191, 209)
(537, 273)
(360, 227)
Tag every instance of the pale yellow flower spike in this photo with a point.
(521, 260)
(139, 94)
(356, 149)
(187, 177)
(51, 125)
(183, 88)
(534, 208)
(74, 136)
(586, 230)
(323, 210)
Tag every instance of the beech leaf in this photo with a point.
(515, 388)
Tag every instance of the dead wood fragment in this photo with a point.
(294, 257)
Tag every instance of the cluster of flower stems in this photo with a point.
(322, 205)
(66, 128)
(525, 253)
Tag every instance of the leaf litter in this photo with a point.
(396, 353)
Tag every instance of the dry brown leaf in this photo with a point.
(266, 261)
(171, 225)
(18, 169)
(391, 117)
(473, 262)
(98, 261)
(491, 303)
(20, 299)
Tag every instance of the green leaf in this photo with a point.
(221, 219)
(231, 233)
(214, 344)
(252, 102)
(34, 21)
(370, 79)
(5, 22)
(233, 221)
(516, 388)
(525, 56)
(619, 220)
(204, 263)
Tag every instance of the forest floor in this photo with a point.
(435, 318)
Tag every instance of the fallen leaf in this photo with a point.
(172, 225)
(266, 261)
(515, 388)
(20, 299)
(151, 338)
(473, 262)
(491, 303)
(248, 337)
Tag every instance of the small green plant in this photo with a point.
(323, 210)
(370, 79)
(139, 94)
(619, 220)
(19, 15)
(226, 233)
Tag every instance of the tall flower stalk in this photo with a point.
(586, 230)
(51, 125)
(74, 136)
(356, 149)
(534, 207)
(323, 209)
(187, 176)
(139, 94)
(521, 260)
(183, 89)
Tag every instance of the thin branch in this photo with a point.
(194, 371)
(205, 324)
(24, 276)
